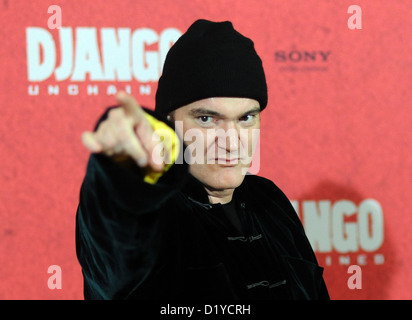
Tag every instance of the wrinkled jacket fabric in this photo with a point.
(136, 240)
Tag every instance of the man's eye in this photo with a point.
(247, 118)
(205, 119)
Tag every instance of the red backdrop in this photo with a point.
(336, 136)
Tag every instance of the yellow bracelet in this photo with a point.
(171, 144)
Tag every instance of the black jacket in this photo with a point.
(165, 241)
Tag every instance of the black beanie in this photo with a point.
(211, 59)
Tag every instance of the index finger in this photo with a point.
(130, 106)
(142, 128)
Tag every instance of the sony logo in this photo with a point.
(302, 56)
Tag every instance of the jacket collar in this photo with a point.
(196, 191)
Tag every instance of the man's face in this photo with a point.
(221, 135)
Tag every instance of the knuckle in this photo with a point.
(123, 134)
(115, 113)
(102, 126)
(134, 149)
(109, 142)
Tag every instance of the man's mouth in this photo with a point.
(226, 162)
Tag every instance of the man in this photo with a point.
(164, 218)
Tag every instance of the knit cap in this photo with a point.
(211, 59)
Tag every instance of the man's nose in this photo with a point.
(228, 133)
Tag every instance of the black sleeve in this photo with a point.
(118, 226)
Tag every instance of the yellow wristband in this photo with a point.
(171, 145)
